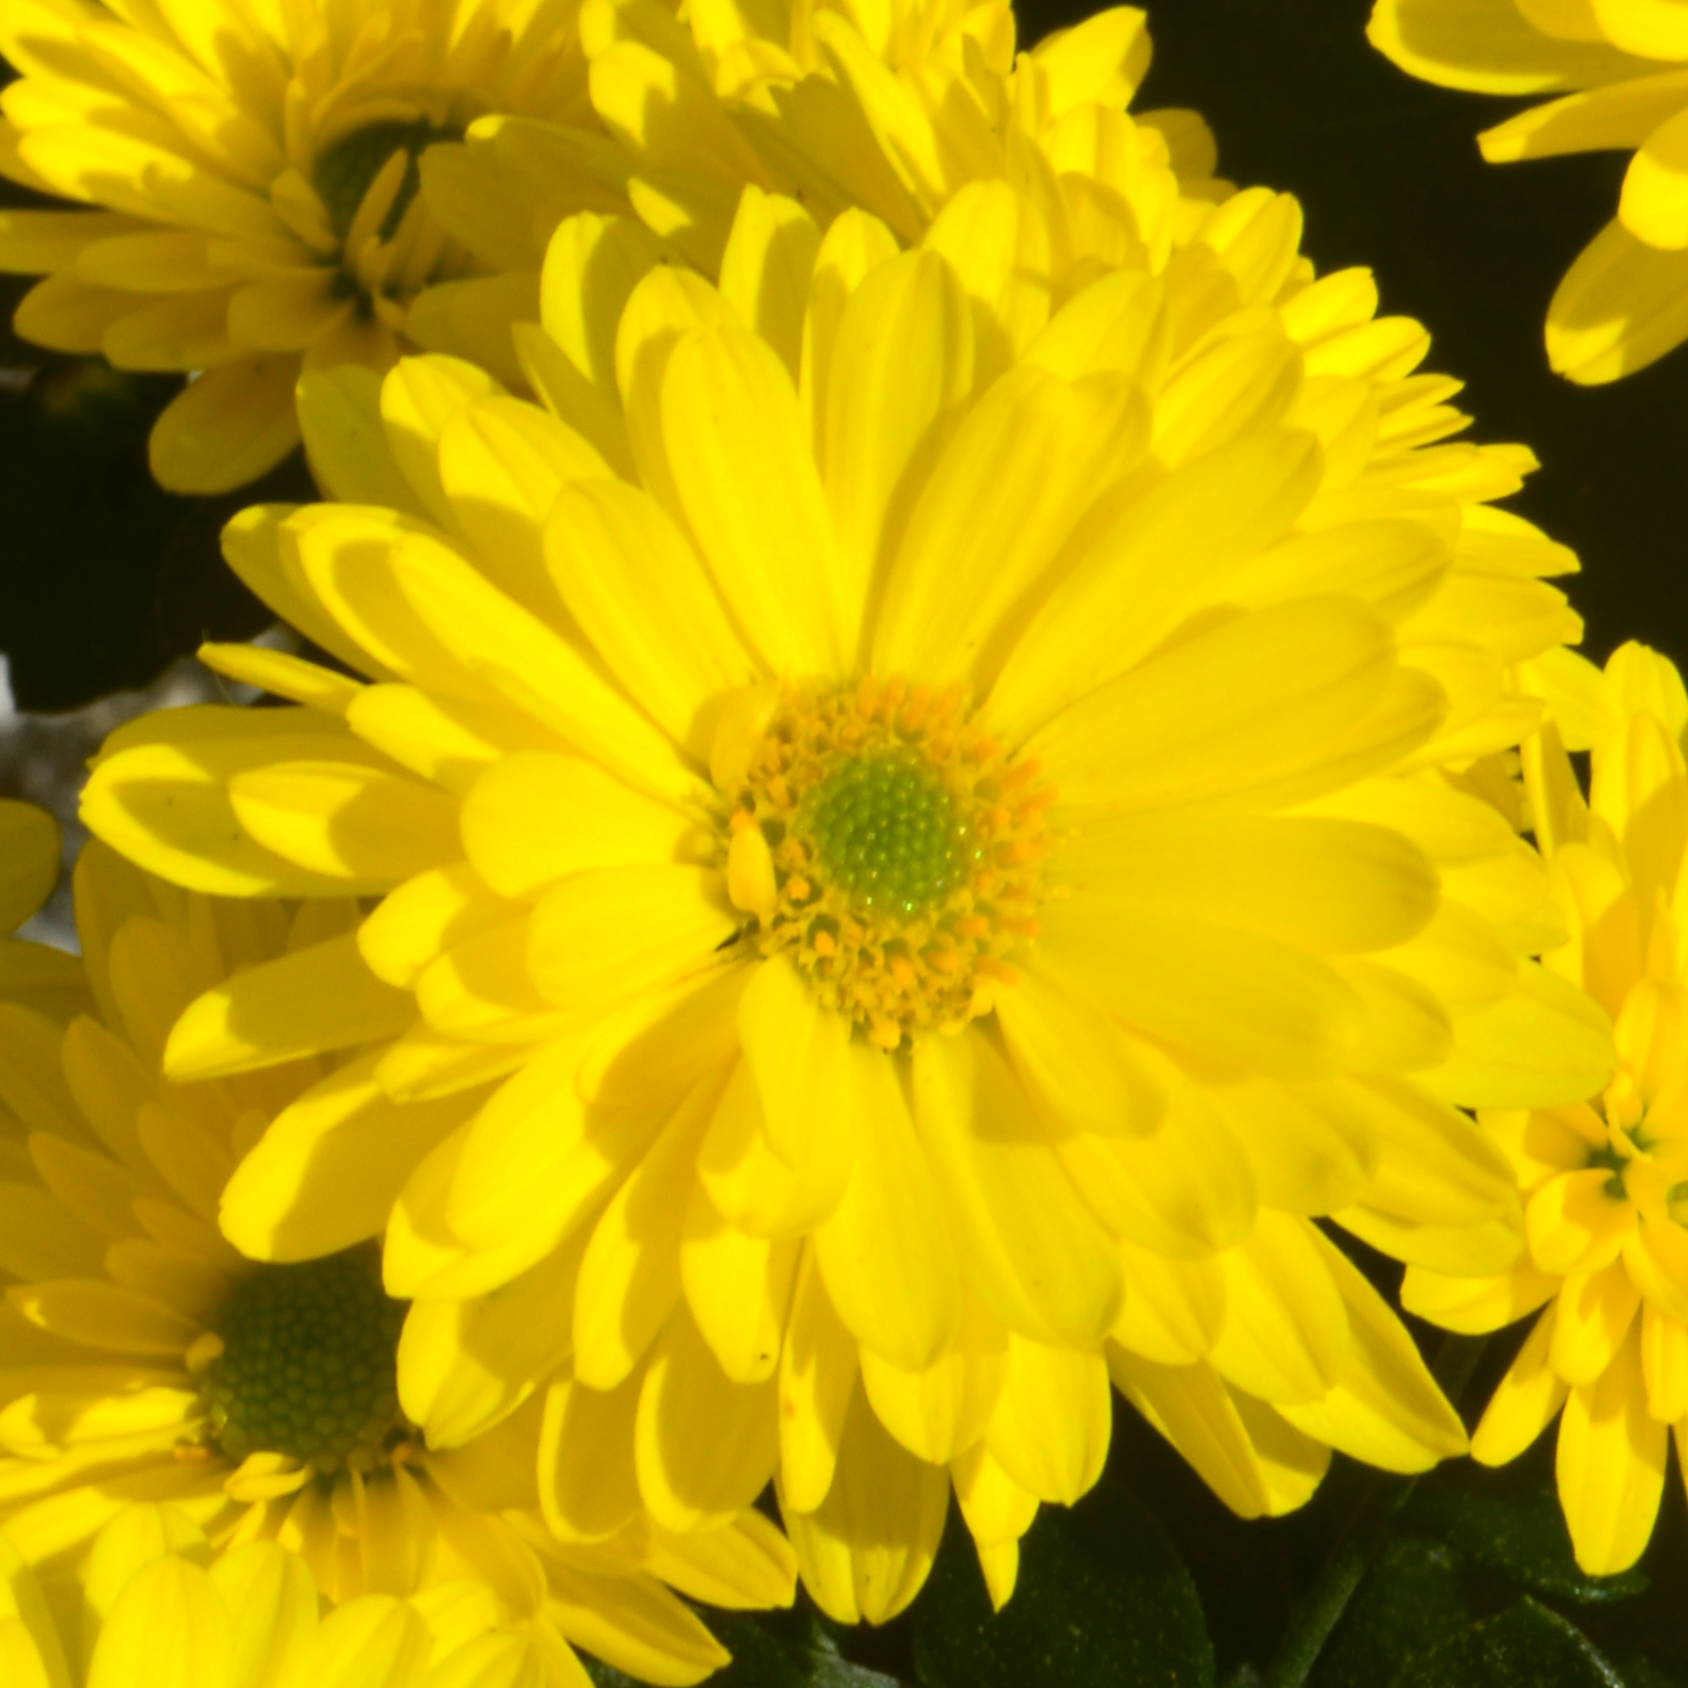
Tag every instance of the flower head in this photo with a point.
(1604, 1179)
(250, 177)
(158, 1603)
(1618, 68)
(959, 846)
(143, 1359)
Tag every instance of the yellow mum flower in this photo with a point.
(1605, 1180)
(156, 1603)
(251, 174)
(142, 1359)
(1621, 68)
(893, 111)
(29, 869)
(949, 844)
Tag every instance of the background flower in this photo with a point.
(251, 181)
(143, 1359)
(1605, 1181)
(1624, 302)
(157, 1604)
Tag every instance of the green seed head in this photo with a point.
(886, 833)
(345, 170)
(308, 1366)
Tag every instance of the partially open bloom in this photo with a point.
(29, 868)
(1605, 1179)
(142, 1358)
(937, 799)
(1620, 68)
(249, 175)
(155, 1603)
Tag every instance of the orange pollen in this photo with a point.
(907, 847)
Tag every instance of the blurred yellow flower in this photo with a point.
(155, 1603)
(1624, 302)
(29, 868)
(250, 173)
(948, 802)
(1605, 1180)
(141, 1358)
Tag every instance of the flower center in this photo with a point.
(892, 849)
(307, 1365)
(346, 171)
(885, 832)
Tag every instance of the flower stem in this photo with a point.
(1359, 1542)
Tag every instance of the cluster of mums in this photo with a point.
(926, 769)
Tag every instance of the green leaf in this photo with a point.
(1413, 1597)
(1102, 1601)
(1527, 1646)
(1518, 1532)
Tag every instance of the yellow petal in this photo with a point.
(1525, 1402)
(1611, 1465)
(1221, 993)
(866, 1549)
(738, 1288)
(1032, 1252)
(1049, 1432)
(587, 1485)
(1594, 1317)
(534, 817)
(1487, 45)
(1621, 306)
(1080, 1064)
(704, 1446)
(886, 1254)
(166, 804)
(817, 1378)
(1175, 728)
(751, 515)
(328, 1169)
(168, 1627)
(640, 593)
(630, 1276)
(600, 937)
(227, 426)
(319, 998)
(372, 827)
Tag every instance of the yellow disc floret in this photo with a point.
(303, 1363)
(906, 849)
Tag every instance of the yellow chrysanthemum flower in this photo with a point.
(141, 1358)
(250, 173)
(949, 842)
(155, 1603)
(1621, 68)
(1605, 1180)
(29, 869)
(891, 110)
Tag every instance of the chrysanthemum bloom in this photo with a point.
(250, 177)
(156, 1604)
(143, 1359)
(1621, 67)
(949, 844)
(29, 869)
(892, 113)
(1605, 1180)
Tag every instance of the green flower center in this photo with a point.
(885, 831)
(345, 171)
(308, 1366)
